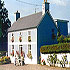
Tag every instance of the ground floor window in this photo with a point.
(12, 50)
(29, 49)
(29, 55)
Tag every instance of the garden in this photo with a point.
(3, 58)
(57, 54)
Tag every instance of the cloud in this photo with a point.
(59, 2)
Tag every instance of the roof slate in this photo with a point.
(26, 22)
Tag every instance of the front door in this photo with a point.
(20, 49)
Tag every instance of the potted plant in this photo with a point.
(12, 39)
(43, 62)
(20, 39)
(12, 54)
(29, 55)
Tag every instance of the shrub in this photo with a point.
(60, 39)
(64, 61)
(56, 48)
(5, 60)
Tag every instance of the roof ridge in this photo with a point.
(29, 15)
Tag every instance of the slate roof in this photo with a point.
(27, 22)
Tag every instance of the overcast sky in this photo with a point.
(59, 9)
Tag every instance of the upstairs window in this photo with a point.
(29, 36)
(20, 37)
(29, 32)
(12, 38)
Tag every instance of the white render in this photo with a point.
(59, 56)
(24, 44)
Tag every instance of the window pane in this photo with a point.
(12, 46)
(29, 38)
(29, 49)
(29, 32)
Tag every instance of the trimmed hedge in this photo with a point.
(56, 48)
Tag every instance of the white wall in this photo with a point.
(59, 56)
(24, 43)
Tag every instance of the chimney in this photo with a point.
(45, 7)
(17, 15)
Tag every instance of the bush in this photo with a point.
(64, 61)
(60, 39)
(56, 48)
(63, 39)
(5, 60)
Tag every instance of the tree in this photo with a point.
(5, 23)
(4, 20)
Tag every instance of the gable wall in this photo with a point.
(45, 32)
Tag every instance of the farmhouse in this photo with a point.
(31, 32)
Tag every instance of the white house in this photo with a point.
(31, 32)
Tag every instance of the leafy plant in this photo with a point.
(5, 60)
(60, 39)
(29, 55)
(64, 61)
(52, 59)
(43, 61)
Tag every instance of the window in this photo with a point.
(53, 35)
(20, 49)
(12, 38)
(29, 49)
(29, 36)
(20, 37)
(12, 34)
(29, 32)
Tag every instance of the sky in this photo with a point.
(59, 9)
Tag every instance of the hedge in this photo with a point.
(56, 48)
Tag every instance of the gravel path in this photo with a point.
(29, 67)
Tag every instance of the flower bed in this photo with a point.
(59, 59)
(4, 60)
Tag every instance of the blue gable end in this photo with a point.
(45, 30)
